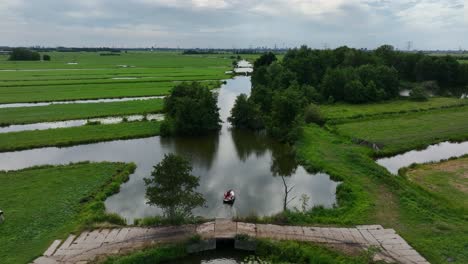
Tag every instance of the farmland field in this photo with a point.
(93, 76)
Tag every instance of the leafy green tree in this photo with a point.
(172, 187)
(265, 60)
(335, 80)
(245, 114)
(387, 54)
(355, 92)
(191, 109)
(46, 57)
(286, 114)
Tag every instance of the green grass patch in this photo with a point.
(448, 180)
(410, 131)
(60, 112)
(319, 150)
(76, 135)
(45, 203)
(436, 229)
(340, 112)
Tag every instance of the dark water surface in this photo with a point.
(251, 164)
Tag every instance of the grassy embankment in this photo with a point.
(405, 132)
(45, 203)
(60, 112)
(77, 135)
(370, 194)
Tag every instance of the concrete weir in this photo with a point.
(100, 243)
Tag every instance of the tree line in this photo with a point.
(285, 94)
(22, 54)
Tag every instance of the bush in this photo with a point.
(22, 54)
(46, 57)
(432, 86)
(313, 115)
(418, 94)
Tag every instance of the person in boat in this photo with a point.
(229, 197)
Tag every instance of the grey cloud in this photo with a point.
(227, 23)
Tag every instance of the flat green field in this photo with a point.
(94, 76)
(145, 59)
(59, 112)
(350, 111)
(410, 131)
(33, 220)
(77, 135)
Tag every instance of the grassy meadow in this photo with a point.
(94, 76)
(447, 179)
(77, 135)
(74, 199)
(409, 131)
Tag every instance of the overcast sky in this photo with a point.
(429, 24)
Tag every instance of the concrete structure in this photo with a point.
(100, 243)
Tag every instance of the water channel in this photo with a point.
(251, 164)
(433, 153)
(106, 100)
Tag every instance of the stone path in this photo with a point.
(98, 243)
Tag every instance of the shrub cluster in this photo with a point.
(22, 54)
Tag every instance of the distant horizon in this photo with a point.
(219, 49)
